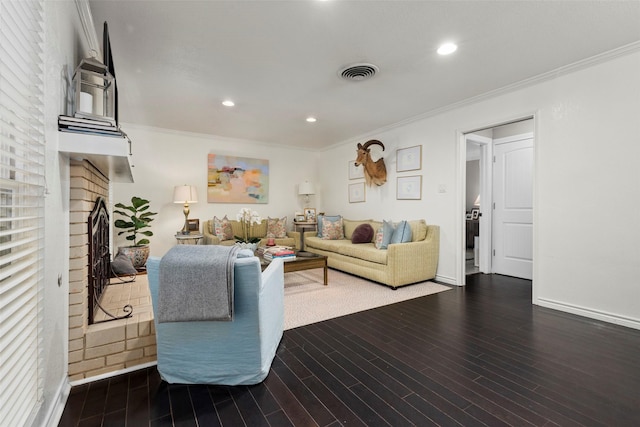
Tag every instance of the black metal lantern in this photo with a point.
(94, 91)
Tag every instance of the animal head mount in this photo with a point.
(374, 172)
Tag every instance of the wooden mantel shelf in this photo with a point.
(110, 155)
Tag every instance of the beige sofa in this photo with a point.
(259, 230)
(398, 265)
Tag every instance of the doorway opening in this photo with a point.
(497, 199)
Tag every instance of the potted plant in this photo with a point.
(137, 221)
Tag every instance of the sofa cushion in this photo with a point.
(375, 225)
(362, 234)
(325, 245)
(255, 230)
(402, 233)
(222, 228)
(277, 227)
(320, 217)
(365, 251)
(259, 230)
(332, 230)
(418, 230)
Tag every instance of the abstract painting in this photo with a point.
(233, 179)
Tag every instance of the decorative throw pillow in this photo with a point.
(387, 232)
(362, 234)
(350, 226)
(402, 233)
(418, 230)
(121, 265)
(222, 228)
(379, 236)
(277, 227)
(320, 219)
(332, 230)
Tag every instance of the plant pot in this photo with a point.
(243, 245)
(137, 254)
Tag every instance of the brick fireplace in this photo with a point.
(106, 347)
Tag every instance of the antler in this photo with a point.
(373, 142)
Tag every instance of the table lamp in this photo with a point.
(305, 189)
(185, 194)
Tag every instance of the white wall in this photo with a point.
(587, 192)
(438, 140)
(64, 47)
(163, 159)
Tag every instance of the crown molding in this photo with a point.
(540, 78)
(86, 19)
(217, 138)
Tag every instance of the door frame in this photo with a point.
(461, 199)
(486, 197)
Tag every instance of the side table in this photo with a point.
(302, 226)
(189, 239)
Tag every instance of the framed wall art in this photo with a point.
(355, 172)
(409, 187)
(310, 214)
(356, 193)
(194, 225)
(409, 159)
(232, 179)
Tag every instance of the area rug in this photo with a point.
(307, 300)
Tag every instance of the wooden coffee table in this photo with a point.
(303, 263)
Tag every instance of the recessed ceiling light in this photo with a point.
(228, 103)
(447, 48)
(311, 119)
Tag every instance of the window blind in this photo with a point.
(21, 208)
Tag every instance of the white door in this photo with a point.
(513, 208)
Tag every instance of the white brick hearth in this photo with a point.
(111, 346)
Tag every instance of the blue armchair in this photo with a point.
(229, 353)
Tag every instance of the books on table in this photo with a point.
(285, 253)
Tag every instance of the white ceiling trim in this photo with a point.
(561, 71)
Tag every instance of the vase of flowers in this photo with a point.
(247, 219)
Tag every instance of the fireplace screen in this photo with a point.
(100, 262)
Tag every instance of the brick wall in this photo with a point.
(104, 347)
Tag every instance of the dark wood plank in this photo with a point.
(205, 411)
(482, 355)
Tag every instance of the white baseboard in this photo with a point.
(57, 408)
(447, 280)
(590, 313)
(112, 374)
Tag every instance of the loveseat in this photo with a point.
(292, 238)
(398, 265)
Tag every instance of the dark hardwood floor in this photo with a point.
(479, 355)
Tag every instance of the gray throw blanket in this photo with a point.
(196, 283)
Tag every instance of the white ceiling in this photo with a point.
(176, 61)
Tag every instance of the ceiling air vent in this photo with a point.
(358, 72)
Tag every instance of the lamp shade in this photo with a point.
(306, 188)
(185, 194)
(477, 202)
